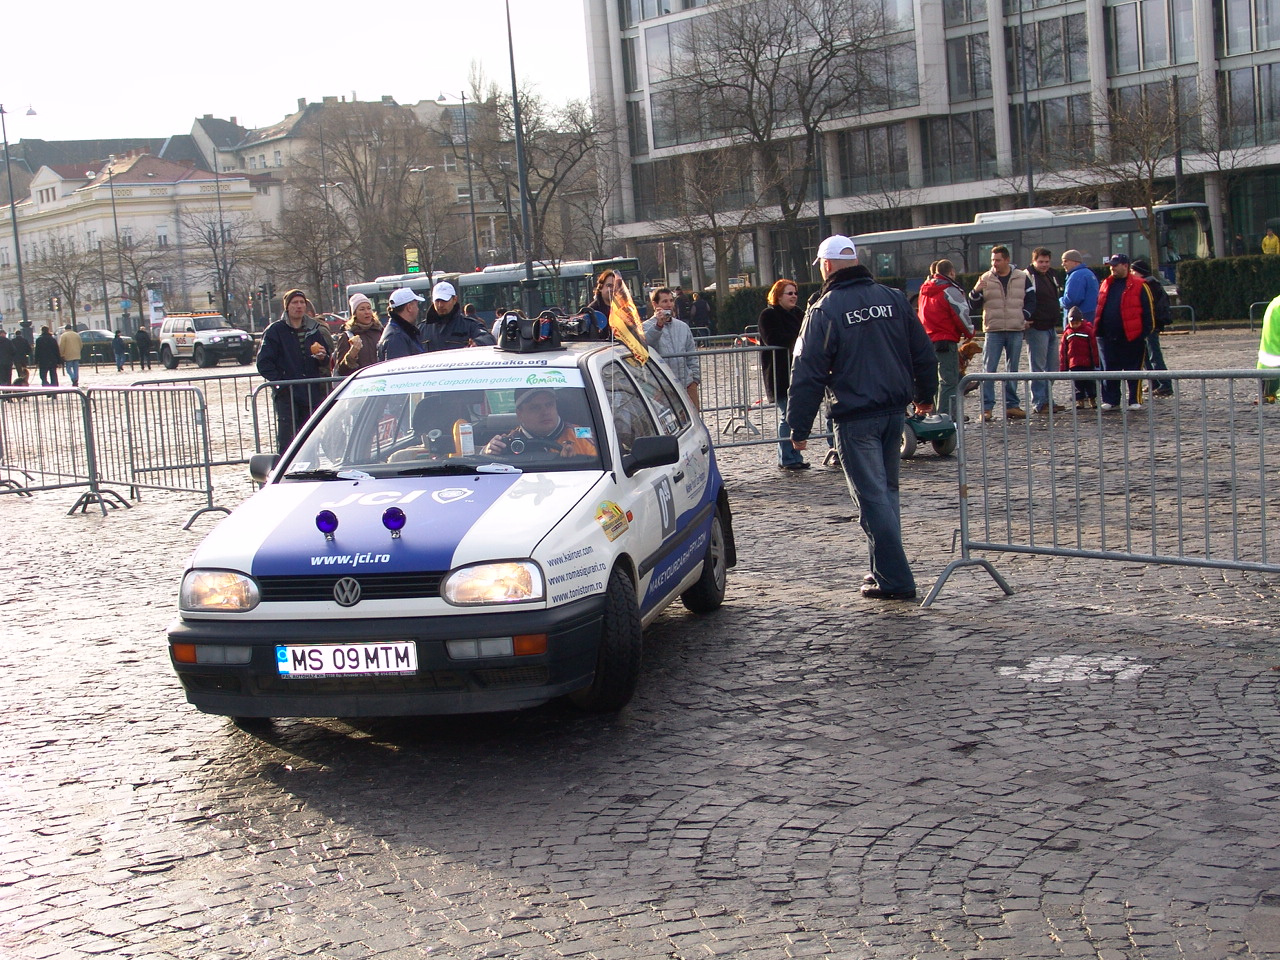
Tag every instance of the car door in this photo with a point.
(677, 516)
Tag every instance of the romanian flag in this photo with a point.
(624, 321)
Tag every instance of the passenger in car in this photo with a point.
(541, 431)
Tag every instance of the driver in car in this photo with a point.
(540, 430)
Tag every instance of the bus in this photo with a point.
(1183, 229)
(567, 285)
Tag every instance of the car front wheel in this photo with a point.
(199, 358)
(708, 593)
(621, 644)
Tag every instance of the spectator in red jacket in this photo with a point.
(944, 310)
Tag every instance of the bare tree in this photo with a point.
(431, 225)
(304, 241)
(142, 261)
(360, 167)
(770, 73)
(231, 254)
(709, 199)
(561, 145)
(65, 269)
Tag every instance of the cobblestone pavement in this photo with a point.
(1085, 769)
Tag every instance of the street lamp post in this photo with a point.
(1026, 102)
(471, 192)
(13, 217)
(526, 292)
(220, 245)
(328, 235)
(115, 222)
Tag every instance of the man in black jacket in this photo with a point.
(862, 343)
(295, 347)
(446, 327)
(1163, 317)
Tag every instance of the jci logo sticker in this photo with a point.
(450, 495)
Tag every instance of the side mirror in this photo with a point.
(650, 452)
(261, 465)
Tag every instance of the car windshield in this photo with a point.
(471, 420)
(210, 323)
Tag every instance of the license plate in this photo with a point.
(347, 659)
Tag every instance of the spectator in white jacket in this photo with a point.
(671, 339)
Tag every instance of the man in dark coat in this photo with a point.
(295, 347)
(48, 357)
(446, 327)
(142, 340)
(6, 359)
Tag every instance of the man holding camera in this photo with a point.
(670, 338)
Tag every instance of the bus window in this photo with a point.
(984, 253)
(884, 260)
(1183, 235)
(1089, 239)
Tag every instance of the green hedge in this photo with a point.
(1223, 289)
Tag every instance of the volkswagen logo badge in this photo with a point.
(347, 592)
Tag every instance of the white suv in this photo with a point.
(202, 338)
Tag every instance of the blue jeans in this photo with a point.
(1008, 342)
(869, 455)
(1155, 360)
(786, 452)
(73, 371)
(1042, 348)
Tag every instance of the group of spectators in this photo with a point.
(62, 353)
(1078, 325)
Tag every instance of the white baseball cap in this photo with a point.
(836, 248)
(443, 291)
(402, 296)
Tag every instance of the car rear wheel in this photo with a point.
(708, 593)
(199, 357)
(168, 359)
(621, 644)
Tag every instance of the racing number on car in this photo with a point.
(666, 505)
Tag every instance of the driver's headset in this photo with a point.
(519, 334)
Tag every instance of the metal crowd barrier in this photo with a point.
(230, 419)
(1255, 313)
(47, 443)
(1188, 480)
(295, 400)
(153, 438)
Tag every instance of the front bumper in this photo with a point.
(228, 349)
(441, 684)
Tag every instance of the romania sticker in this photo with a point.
(612, 520)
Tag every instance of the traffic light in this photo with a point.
(262, 292)
(210, 295)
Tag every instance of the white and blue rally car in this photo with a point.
(464, 531)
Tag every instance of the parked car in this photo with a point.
(97, 345)
(202, 338)
(456, 532)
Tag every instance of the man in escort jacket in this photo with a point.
(862, 343)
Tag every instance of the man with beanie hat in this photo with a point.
(295, 347)
(400, 337)
(446, 327)
(1081, 288)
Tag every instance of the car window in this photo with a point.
(658, 389)
(534, 420)
(631, 418)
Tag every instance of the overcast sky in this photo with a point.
(148, 69)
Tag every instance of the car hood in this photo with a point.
(449, 521)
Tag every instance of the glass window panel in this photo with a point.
(628, 12)
(1125, 38)
(980, 54)
(954, 12)
(657, 43)
(1053, 67)
(1237, 14)
(1242, 100)
(1077, 47)
(958, 78)
(1155, 34)
(629, 81)
(662, 108)
(637, 132)
(977, 10)
(904, 81)
(985, 125)
(1184, 34)
(1268, 23)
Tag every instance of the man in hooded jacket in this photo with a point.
(446, 327)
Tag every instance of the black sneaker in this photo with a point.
(877, 593)
(802, 465)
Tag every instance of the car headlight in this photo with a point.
(218, 591)
(512, 581)
(215, 339)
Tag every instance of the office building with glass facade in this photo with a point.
(971, 96)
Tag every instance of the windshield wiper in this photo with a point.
(313, 475)
(456, 467)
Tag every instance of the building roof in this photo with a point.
(148, 169)
(223, 134)
(182, 148)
